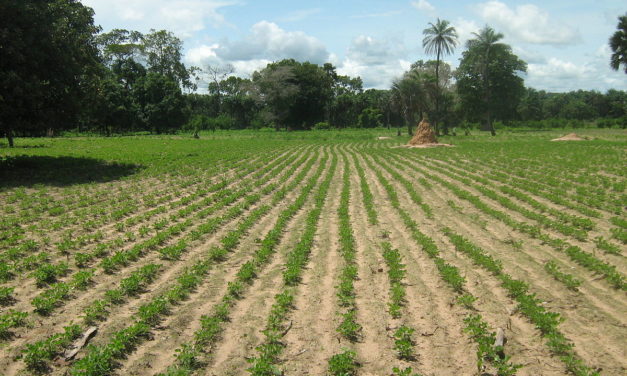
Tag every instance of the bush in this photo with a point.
(223, 121)
(370, 118)
(323, 125)
(203, 123)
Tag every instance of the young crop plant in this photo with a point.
(396, 273)
(47, 301)
(404, 343)
(606, 246)
(48, 273)
(9, 320)
(486, 350)
(397, 371)
(553, 269)
(6, 295)
(344, 363)
(467, 301)
(38, 354)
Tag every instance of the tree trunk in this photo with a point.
(437, 94)
(10, 138)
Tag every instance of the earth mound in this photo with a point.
(570, 137)
(424, 137)
(424, 134)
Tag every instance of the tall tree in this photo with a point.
(49, 59)
(440, 39)
(618, 44)
(275, 88)
(163, 52)
(161, 103)
(488, 81)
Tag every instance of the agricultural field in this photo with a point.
(314, 253)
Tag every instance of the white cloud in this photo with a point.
(557, 75)
(530, 56)
(527, 23)
(265, 43)
(183, 17)
(268, 41)
(246, 68)
(376, 61)
(464, 29)
(202, 54)
(424, 6)
(557, 69)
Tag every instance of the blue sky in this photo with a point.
(564, 42)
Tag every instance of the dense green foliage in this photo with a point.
(49, 63)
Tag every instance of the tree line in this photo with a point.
(59, 71)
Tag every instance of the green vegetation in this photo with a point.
(137, 249)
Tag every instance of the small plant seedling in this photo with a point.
(343, 364)
(466, 300)
(403, 342)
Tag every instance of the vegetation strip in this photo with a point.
(349, 328)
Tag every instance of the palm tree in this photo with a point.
(486, 44)
(440, 39)
(618, 44)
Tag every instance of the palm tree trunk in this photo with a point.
(437, 93)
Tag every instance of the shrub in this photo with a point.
(323, 125)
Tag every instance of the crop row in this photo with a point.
(52, 298)
(561, 184)
(20, 262)
(99, 359)
(48, 301)
(578, 255)
(265, 363)
(141, 278)
(475, 325)
(403, 336)
(211, 325)
(577, 221)
(562, 226)
(528, 304)
(348, 328)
